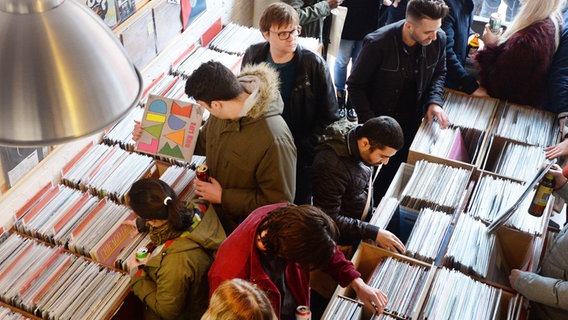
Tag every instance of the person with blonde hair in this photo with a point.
(237, 299)
(514, 65)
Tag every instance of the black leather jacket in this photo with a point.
(376, 79)
(341, 180)
(313, 103)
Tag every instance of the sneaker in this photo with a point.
(341, 113)
(351, 115)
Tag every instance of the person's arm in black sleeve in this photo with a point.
(456, 73)
(330, 180)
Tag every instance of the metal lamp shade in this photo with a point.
(63, 73)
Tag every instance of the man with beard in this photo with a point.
(343, 170)
(400, 72)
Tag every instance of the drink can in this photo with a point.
(303, 313)
(141, 254)
(202, 172)
(495, 22)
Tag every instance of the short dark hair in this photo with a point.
(426, 9)
(303, 234)
(382, 132)
(213, 81)
(279, 13)
(147, 198)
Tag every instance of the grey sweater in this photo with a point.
(548, 289)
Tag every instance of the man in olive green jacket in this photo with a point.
(250, 151)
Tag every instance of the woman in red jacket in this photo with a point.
(514, 65)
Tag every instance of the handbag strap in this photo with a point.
(372, 179)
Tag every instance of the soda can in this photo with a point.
(495, 22)
(141, 254)
(303, 313)
(202, 172)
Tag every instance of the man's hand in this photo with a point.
(137, 133)
(559, 178)
(133, 263)
(373, 298)
(557, 150)
(480, 92)
(489, 38)
(210, 191)
(334, 3)
(435, 111)
(387, 240)
(515, 273)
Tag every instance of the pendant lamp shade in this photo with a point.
(63, 73)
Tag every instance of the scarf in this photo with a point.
(163, 233)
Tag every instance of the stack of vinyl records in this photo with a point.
(383, 316)
(53, 284)
(92, 236)
(493, 195)
(79, 222)
(54, 212)
(402, 282)
(7, 314)
(527, 125)
(235, 39)
(519, 161)
(345, 309)
(428, 234)
(453, 143)
(384, 212)
(457, 296)
(141, 240)
(469, 112)
(169, 86)
(470, 248)
(107, 171)
(121, 133)
(435, 186)
(201, 55)
(181, 180)
(462, 140)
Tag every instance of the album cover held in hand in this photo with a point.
(170, 128)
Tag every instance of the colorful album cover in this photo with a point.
(113, 12)
(170, 128)
(190, 10)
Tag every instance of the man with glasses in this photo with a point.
(305, 86)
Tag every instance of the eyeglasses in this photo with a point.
(284, 35)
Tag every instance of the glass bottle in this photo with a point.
(541, 196)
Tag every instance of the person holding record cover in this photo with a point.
(250, 150)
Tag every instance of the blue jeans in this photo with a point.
(490, 6)
(348, 50)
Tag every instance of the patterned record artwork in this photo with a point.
(170, 128)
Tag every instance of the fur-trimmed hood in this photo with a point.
(262, 82)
